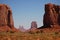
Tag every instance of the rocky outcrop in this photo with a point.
(6, 19)
(52, 15)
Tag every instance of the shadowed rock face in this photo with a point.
(6, 18)
(52, 15)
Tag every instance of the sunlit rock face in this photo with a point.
(6, 16)
(6, 19)
(52, 15)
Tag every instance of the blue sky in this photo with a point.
(26, 11)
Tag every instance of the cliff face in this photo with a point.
(52, 15)
(6, 19)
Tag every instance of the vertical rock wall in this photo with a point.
(6, 18)
(52, 15)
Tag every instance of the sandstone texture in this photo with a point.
(52, 15)
(6, 18)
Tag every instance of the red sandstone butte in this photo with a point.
(33, 26)
(52, 15)
(6, 18)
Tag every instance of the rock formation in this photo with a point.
(6, 16)
(6, 19)
(22, 29)
(52, 15)
(33, 26)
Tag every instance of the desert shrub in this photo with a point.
(56, 33)
(11, 31)
(31, 32)
(41, 31)
(37, 32)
